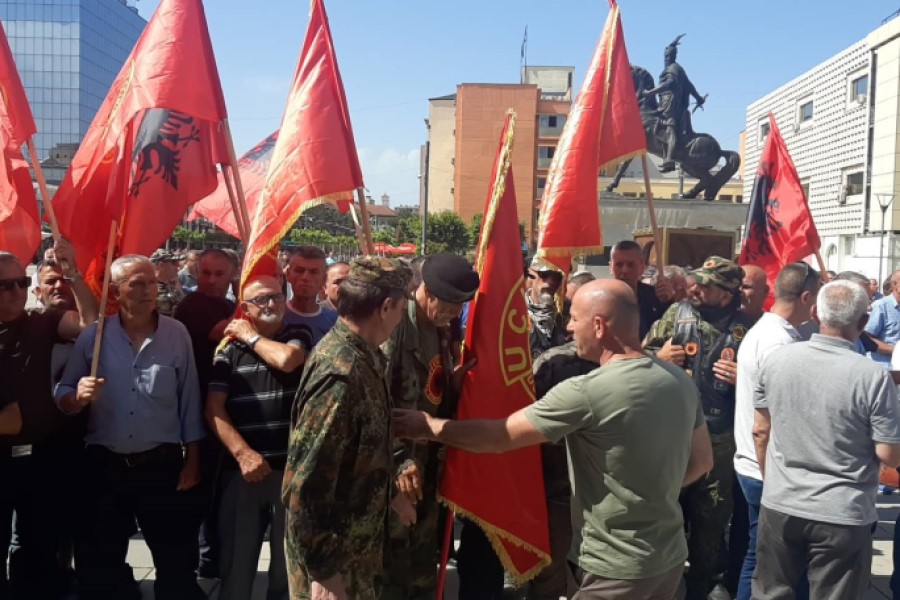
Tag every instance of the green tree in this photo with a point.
(447, 232)
(409, 230)
(475, 228)
(385, 236)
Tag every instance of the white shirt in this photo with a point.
(895, 358)
(770, 333)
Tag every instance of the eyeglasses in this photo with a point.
(7, 285)
(263, 301)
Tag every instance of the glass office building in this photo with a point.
(68, 53)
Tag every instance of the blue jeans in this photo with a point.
(753, 489)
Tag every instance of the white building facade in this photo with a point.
(841, 123)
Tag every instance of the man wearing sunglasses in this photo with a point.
(37, 447)
(254, 379)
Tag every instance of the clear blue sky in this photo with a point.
(394, 55)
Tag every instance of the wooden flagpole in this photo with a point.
(823, 272)
(366, 226)
(359, 232)
(236, 176)
(229, 185)
(42, 186)
(101, 318)
(653, 226)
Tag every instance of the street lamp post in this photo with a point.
(884, 201)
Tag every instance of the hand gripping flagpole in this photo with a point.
(101, 318)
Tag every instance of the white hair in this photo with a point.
(123, 263)
(841, 304)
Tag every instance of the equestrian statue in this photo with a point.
(666, 113)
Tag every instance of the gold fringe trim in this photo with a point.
(498, 189)
(569, 251)
(324, 199)
(494, 534)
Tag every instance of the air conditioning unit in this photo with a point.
(842, 197)
(861, 99)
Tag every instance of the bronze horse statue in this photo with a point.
(697, 154)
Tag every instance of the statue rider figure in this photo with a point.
(675, 91)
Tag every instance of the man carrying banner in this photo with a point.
(421, 375)
(703, 336)
(626, 545)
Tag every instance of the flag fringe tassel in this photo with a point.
(494, 534)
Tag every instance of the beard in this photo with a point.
(545, 298)
(270, 317)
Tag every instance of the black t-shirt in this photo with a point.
(199, 314)
(26, 350)
(259, 396)
(650, 307)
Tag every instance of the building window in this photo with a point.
(854, 185)
(541, 182)
(726, 197)
(764, 127)
(805, 186)
(859, 89)
(551, 121)
(805, 113)
(739, 198)
(546, 151)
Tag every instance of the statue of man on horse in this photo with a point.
(670, 134)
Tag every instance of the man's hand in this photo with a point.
(65, 256)
(459, 374)
(725, 370)
(663, 289)
(329, 589)
(405, 509)
(412, 424)
(672, 353)
(88, 390)
(241, 329)
(189, 476)
(254, 467)
(409, 483)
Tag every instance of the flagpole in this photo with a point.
(229, 183)
(42, 185)
(236, 175)
(101, 318)
(654, 228)
(359, 232)
(823, 272)
(364, 215)
(445, 555)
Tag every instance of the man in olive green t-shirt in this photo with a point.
(636, 435)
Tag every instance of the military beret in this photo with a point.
(164, 256)
(380, 271)
(721, 272)
(450, 278)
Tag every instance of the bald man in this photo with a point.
(754, 291)
(635, 412)
(254, 378)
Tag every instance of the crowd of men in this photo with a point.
(679, 421)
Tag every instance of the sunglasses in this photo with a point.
(8, 285)
(263, 301)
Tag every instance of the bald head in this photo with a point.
(754, 291)
(605, 317)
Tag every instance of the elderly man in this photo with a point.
(795, 295)
(422, 374)
(305, 272)
(335, 274)
(678, 279)
(45, 441)
(627, 264)
(170, 292)
(633, 412)
(548, 328)
(703, 336)
(340, 472)
(754, 291)
(255, 376)
(825, 418)
(884, 323)
(142, 443)
(189, 273)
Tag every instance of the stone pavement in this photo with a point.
(888, 509)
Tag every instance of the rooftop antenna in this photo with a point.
(524, 57)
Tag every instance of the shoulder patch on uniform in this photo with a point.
(739, 332)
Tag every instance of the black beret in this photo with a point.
(450, 278)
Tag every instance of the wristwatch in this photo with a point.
(252, 341)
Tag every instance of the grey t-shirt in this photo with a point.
(829, 406)
(628, 428)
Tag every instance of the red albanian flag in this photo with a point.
(483, 487)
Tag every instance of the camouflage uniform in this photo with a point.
(418, 375)
(707, 503)
(167, 298)
(552, 368)
(339, 472)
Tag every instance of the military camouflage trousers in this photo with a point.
(707, 504)
(358, 582)
(411, 563)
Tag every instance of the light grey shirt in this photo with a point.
(829, 406)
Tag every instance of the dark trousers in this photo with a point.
(707, 505)
(837, 558)
(738, 537)
(114, 494)
(33, 487)
(480, 571)
(209, 492)
(594, 587)
(556, 580)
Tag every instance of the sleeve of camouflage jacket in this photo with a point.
(661, 331)
(403, 450)
(316, 452)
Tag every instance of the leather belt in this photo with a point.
(137, 459)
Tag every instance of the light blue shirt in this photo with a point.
(151, 397)
(319, 322)
(884, 323)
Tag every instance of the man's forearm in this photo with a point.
(480, 436)
(284, 357)
(761, 441)
(10, 419)
(88, 308)
(221, 425)
(69, 405)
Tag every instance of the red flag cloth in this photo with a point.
(20, 229)
(484, 487)
(780, 229)
(152, 148)
(604, 127)
(314, 160)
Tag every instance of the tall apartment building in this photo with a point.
(841, 123)
(464, 132)
(68, 53)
